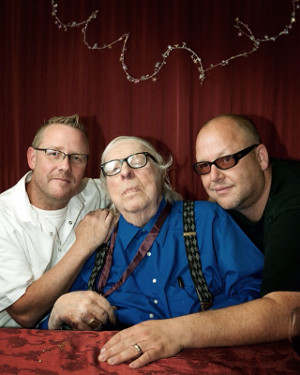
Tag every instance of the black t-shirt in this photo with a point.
(277, 234)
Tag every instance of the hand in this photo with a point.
(156, 339)
(94, 229)
(79, 309)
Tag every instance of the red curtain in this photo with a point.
(46, 71)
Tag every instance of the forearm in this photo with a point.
(262, 320)
(42, 293)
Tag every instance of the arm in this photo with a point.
(261, 320)
(42, 293)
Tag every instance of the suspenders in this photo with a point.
(193, 257)
(192, 252)
(99, 261)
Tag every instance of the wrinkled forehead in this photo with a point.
(123, 149)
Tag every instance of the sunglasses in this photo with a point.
(224, 162)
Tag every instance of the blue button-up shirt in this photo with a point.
(161, 286)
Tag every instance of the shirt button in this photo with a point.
(51, 234)
(154, 281)
(155, 301)
(70, 222)
(151, 315)
(149, 253)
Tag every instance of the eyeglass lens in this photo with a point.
(134, 161)
(58, 156)
(224, 162)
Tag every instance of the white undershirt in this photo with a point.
(55, 217)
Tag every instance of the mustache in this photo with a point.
(63, 176)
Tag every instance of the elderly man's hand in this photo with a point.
(84, 310)
(144, 342)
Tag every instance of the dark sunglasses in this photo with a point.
(224, 162)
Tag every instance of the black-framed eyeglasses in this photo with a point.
(57, 156)
(135, 161)
(224, 162)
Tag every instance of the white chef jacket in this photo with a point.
(30, 246)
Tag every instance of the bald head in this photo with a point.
(240, 126)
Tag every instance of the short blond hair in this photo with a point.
(72, 121)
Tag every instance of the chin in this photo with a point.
(226, 204)
(62, 195)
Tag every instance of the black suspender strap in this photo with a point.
(99, 261)
(193, 256)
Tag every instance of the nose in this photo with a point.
(216, 174)
(65, 163)
(126, 171)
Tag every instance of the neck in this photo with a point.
(255, 212)
(141, 218)
(138, 219)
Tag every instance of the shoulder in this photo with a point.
(93, 189)
(12, 196)
(92, 186)
(285, 188)
(287, 168)
(202, 209)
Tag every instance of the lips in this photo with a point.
(61, 178)
(221, 189)
(131, 190)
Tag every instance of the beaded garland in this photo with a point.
(242, 28)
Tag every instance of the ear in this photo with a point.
(262, 156)
(31, 157)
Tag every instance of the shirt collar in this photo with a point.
(127, 231)
(24, 209)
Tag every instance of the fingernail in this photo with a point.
(102, 356)
(111, 361)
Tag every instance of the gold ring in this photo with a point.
(94, 324)
(138, 348)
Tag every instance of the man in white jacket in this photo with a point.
(51, 221)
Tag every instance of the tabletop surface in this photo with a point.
(29, 351)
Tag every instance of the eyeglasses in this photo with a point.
(135, 161)
(225, 162)
(57, 156)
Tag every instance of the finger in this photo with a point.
(121, 346)
(86, 323)
(109, 218)
(102, 212)
(144, 359)
(123, 355)
(54, 322)
(118, 339)
(95, 324)
(107, 308)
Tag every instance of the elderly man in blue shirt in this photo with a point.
(144, 280)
